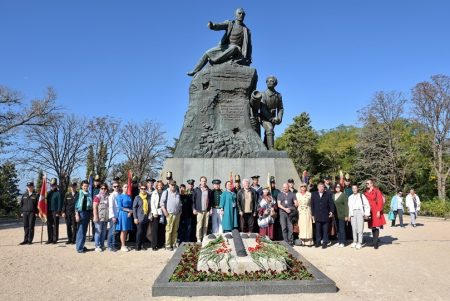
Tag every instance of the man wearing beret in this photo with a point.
(54, 209)
(95, 191)
(68, 212)
(29, 211)
(216, 217)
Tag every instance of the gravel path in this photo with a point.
(411, 264)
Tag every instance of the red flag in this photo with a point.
(129, 189)
(42, 204)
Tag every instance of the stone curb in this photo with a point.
(162, 286)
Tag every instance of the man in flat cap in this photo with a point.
(68, 212)
(150, 185)
(291, 185)
(216, 217)
(171, 207)
(29, 211)
(54, 209)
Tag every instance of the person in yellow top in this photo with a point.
(304, 216)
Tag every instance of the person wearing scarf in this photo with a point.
(141, 214)
(101, 216)
(83, 211)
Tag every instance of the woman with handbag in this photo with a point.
(358, 211)
(304, 216)
(376, 202)
(266, 214)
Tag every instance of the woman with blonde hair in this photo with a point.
(304, 215)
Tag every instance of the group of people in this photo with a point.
(163, 215)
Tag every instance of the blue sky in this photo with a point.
(129, 59)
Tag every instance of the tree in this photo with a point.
(39, 180)
(144, 146)
(104, 134)
(59, 148)
(431, 106)
(16, 113)
(337, 148)
(300, 141)
(90, 161)
(381, 155)
(8, 188)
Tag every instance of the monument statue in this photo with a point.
(271, 111)
(221, 132)
(235, 44)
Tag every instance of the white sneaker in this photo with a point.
(98, 249)
(199, 241)
(124, 249)
(358, 246)
(353, 245)
(341, 245)
(337, 245)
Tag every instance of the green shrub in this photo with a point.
(435, 207)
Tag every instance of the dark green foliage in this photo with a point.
(300, 141)
(9, 190)
(90, 162)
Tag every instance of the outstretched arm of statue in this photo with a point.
(218, 26)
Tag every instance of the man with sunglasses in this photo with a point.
(113, 215)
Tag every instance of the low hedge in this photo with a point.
(435, 208)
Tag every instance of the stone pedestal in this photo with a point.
(220, 168)
(217, 123)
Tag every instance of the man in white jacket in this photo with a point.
(413, 205)
(358, 208)
(113, 214)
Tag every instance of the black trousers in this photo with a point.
(52, 226)
(93, 230)
(247, 222)
(322, 232)
(155, 226)
(29, 220)
(141, 232)
(71, 225)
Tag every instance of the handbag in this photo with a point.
(366, 218)
(391, 215)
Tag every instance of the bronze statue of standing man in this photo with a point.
(235, 44)
(271, 111)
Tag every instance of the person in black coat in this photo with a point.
(247, 206)
(29, 211)
(322, 208)
(68, 212)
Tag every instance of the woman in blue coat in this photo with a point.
(125, 219)
(228, 208)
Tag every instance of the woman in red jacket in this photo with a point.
(377, 220)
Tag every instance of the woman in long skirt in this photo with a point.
(304, 216)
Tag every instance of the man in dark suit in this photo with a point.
(322, 207)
